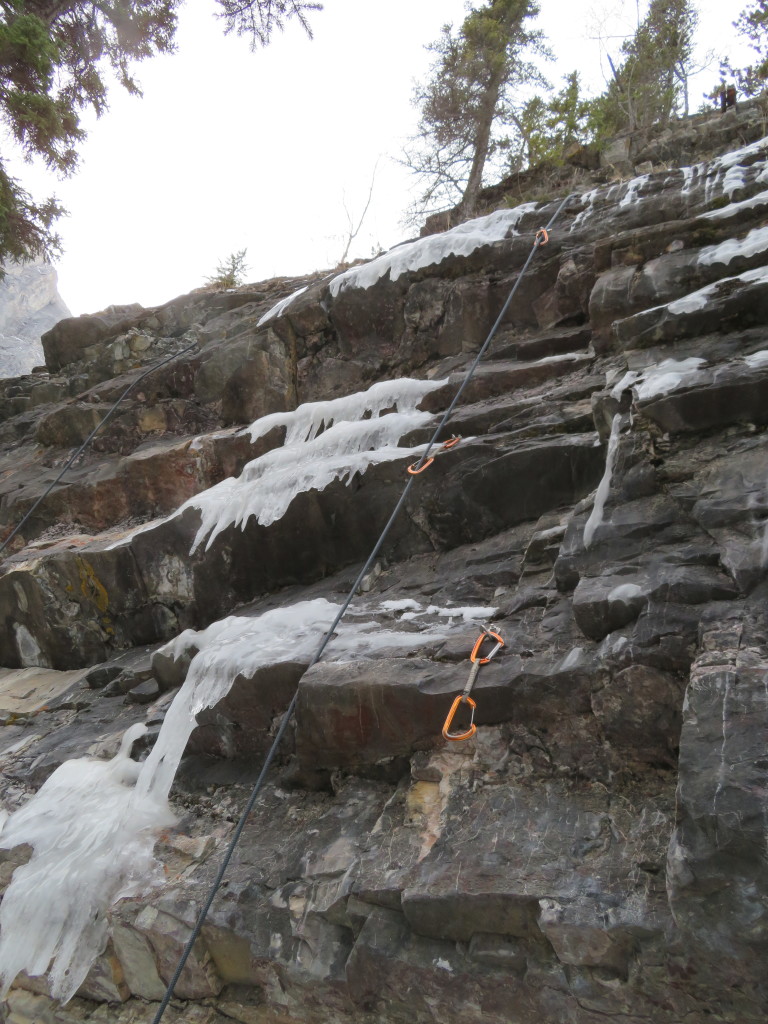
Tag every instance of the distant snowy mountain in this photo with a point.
(30, 305)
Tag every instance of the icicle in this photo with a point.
(92, 843)
(596, 516)
(325, 441)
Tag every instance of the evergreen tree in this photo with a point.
(650, 81)
(546, 128)
(752, 23)
(55, 56)
(465, 102)
(230, 273)
(259, 19)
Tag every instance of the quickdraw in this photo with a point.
(486, 633)
(415, 468)
(542, 237)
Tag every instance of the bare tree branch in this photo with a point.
(353, 232)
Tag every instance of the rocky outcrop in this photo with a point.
(596, 851)
(30, 305)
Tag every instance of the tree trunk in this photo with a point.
(485, 119)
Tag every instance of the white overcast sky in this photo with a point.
(231, 150)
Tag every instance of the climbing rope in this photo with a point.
(542, 237)
(88, 440)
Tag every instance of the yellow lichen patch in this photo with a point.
(152, 420)
(91, 586)
(426, 801)
(422, 799)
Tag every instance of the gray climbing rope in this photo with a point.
(541, 239)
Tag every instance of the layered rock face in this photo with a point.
(30, 305)
(597, 850)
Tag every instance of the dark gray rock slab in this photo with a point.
(716, 867)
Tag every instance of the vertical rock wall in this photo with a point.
(29, 306)
(597, 850)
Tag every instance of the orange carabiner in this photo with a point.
(479, 643)
(452, 441)
(415, 472)
(542, 232)
(447, 734)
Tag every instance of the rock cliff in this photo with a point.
(597, 850)
(30, 305)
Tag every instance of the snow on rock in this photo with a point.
(693, 301)
(424, 252)
(468, 614)
(760, 199)
(325, 441)
(736, 156)
(757, 359)
(725, 174)
(625, 592)
(279, 307)
(663, 377)
(701, 297)
(753, 244)
(406, 605)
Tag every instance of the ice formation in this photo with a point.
(689, 176)
(93, 824)
(93, 830)
(239, 645)
(233, 646)
(424, 252)
(306, 422)
(723, 175)
(657, 379)
(733, 179)
(587, 201)
(92, 844)
(601, 495)
(736, 156)
(325, 441)
(572, 659)
(633, 188)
